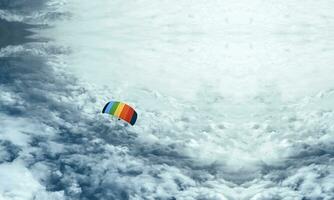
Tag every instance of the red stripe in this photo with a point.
(129, 115)
(124, 112)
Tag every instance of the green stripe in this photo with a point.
(113, 108)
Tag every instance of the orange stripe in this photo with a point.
(129, 115)
(124, 111)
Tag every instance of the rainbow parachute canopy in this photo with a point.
(121, 110)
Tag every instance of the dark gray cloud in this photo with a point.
(8, 151)
(21, 5)
(35, 12)
(14, 33)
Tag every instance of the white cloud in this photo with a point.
(17, 183)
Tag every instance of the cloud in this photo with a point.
(55, 143)
(70, 150)
(35, 12)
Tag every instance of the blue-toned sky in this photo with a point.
(235, 100)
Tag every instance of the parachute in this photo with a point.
(121, 110)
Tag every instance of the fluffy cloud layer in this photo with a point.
(55, 143)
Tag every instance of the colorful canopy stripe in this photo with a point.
(121, 110)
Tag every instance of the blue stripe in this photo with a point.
(109, 107)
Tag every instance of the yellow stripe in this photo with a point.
(119, 109)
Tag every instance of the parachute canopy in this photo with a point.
(121, 110)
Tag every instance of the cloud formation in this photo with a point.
(55, 143)
(51, 131)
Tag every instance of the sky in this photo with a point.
(234, 100)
